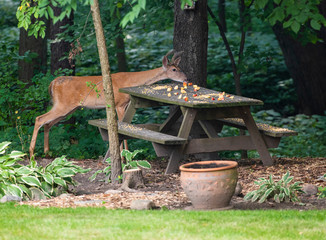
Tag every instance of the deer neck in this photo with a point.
(154, 76)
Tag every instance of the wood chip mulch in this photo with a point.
(165, 190)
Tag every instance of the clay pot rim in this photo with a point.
(231, 164)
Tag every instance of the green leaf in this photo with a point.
(14, 190)
(3, 146)
(26, 190)
(60, 182)
(47, 188)
(48, 178)
(295, 26)
(5, 173)
(9, 163)
(31, 181)
(286, 191)
(93, 177)
(287, 23)
(144, 164)
(66, 172)
(265, 196)
(23, 171)
(142, 4)
(315, 25)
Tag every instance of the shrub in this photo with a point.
(280, 191)
(19, 180)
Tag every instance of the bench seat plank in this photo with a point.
(135, 131)
(264, 128)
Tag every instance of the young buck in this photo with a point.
(70, 93)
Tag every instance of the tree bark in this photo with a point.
(121, 53)
(307, 67)
(132, 178)
(221, 14)
(60, 48)
(191, 36)
(27, 69)
(108, 92)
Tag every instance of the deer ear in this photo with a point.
(177, 61)
(165, 62)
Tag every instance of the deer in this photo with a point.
(69, 93)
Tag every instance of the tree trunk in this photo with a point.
(108, 92)
(132, 178)
(190, 36)
(60, 48)
(307, 66)
(27, 69)
(221, 14)
(121, 53)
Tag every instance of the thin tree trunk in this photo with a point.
(191, 36)
(108, 92)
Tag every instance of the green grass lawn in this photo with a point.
(24, 222)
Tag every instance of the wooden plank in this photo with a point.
(129, 113)
(159, 93)
(264, 128)
(256, 137)
(237, 143)
(204, 145)
(213, 114)
(174, 116)
(149, 135)
(208, 128)
(140, 132)
(177, 154)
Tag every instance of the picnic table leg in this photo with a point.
(256, 137)
(174, 116)
(177, 153)
(130, 112)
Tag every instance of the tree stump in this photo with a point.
(132, 178)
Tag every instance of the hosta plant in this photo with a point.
(130, 163)
(280, 191)
(19, 180)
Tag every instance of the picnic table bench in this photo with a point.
(210, 115)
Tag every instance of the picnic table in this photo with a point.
(207, 109)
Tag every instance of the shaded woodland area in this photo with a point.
(227, 46)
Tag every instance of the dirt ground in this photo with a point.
(165, 190)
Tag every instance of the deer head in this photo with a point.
(171, 67)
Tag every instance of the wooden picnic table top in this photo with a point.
(206, 98)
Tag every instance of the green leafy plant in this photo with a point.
(19, 180)
(130, 164)
(280, 191)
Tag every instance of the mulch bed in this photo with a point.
(165, 190)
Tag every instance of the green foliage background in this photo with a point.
(264, 76)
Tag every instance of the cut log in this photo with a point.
(132, 178)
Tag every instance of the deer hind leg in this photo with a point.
(47, 128)
(48, 119)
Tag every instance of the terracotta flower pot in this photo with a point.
(209, 184)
